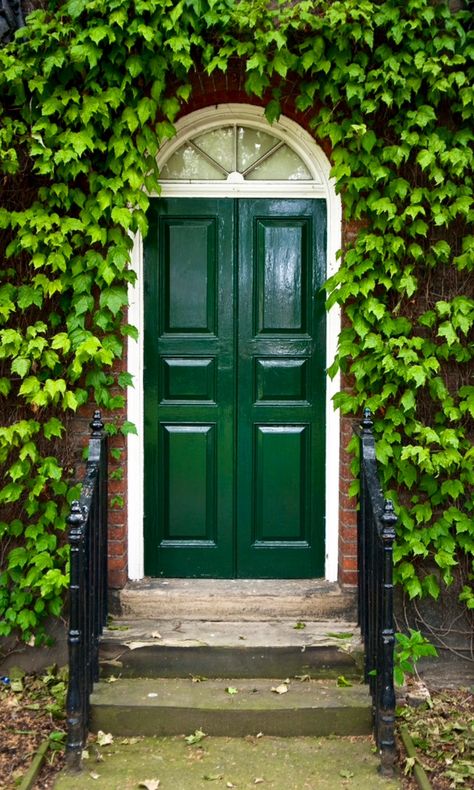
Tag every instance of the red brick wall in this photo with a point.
(208, 91)
(117, 564)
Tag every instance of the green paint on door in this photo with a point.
(235, 388)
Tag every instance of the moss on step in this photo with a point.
(282, 764)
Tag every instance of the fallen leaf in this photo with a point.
(299, 625)
(232, 690)
(93, 775)
(129, 741)
(104, 738)
(303, 678)
(340, 634)
(198, 678)
(259, 735)
(111, 679)
(150, 784)
(342, 682)
(229, 784)
(85, 754)
(281, 689)
(212, 777)
(259, 780)
(156, 635)
(346, 774)
(409, 765)
(197, 736)
(152, 694)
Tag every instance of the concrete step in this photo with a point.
(235, 599)
(233, 708)
(184, 648)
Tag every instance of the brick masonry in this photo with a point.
(208, 91)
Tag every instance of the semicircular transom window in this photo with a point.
(235, 153)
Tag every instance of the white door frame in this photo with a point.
(321, 186)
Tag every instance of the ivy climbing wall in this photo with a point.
(88, 92)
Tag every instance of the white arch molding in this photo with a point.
(320, 186)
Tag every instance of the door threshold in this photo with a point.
(235, 599)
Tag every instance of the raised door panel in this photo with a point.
(280, 490)
(187, 295)
(188, 499)
(281, 273)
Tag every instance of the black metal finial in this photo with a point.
(76, 516)
(96, 425)
(367, 423)
(389, 518)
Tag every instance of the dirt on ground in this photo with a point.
(442, 730)
(31, 712)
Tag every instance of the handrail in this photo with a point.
(87, 590)
(376, 535)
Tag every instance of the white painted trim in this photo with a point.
(321, 186)
(135, 454)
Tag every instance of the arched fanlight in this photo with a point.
(235, 153)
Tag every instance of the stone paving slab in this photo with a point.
(232, 707)
(244, 763)
(276, 633)
(179, 648)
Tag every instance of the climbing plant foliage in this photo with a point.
(88, 92)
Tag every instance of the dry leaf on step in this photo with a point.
(281, 689)
(104, 738)
(150, 784)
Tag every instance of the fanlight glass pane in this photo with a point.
(187, 164)
(283, 165)
(219, 144)
(251, 145)
(225, 152)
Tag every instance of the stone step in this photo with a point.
(184, 648)
(235, 599)
(233, 708)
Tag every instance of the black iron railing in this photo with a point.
(376, 534)
(87, 590)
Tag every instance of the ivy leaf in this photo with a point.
(125, 379)
(122, 216)
(113, 298)
(21, 366)
(76, 7)
(447, 331)
(128, 428)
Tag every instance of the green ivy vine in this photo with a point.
(89, 90)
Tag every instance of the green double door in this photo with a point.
(235, 388)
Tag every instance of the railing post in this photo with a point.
(76, 691)
(366, 438)
(376, 534)
(87, 591)
(386, 733)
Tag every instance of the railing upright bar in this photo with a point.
(74, 701)
(386, 730)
